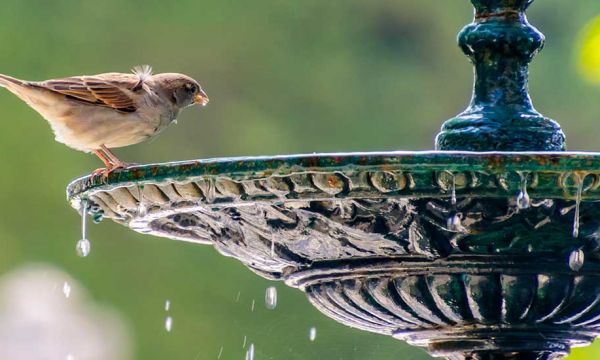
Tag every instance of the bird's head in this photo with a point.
(181, 89)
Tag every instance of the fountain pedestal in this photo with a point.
(473, 255)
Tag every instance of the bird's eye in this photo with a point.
(191, 88)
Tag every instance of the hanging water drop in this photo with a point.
(271, 297)
(250, 352)
(453, 193)
(83, 246)
(312, 333)
(523, 200)
(577, 204)
(576, 260)
(142, 209)
(454, 223)
(167, 305)
(66, 289)
(169, 324)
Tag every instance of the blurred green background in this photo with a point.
(283, 77)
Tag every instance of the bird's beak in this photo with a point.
(201, 98)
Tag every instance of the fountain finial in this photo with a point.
(500, 43)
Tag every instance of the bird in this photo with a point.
(95, 113)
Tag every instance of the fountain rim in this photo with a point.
(253, 167)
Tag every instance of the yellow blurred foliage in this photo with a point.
(588, 62)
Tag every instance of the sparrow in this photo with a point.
(95, 113)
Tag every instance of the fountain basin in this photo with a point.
(436, 248)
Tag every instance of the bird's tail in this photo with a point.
(6, 80)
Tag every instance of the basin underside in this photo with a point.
(435, 248)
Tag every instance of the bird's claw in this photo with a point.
(105, 172)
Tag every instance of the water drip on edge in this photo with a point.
(454, 223)
(272, 246)
(66, 289)
(577, 203)
(142, 209)
(576, 260)
(169, 324)
(271, 297)
(523, 200)
(453, 193)
(312, 333)
(250, 352)
(83, 246)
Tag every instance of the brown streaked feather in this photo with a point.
(111, 91)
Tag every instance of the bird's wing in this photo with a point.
(111, 90)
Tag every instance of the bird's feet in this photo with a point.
(105, 172)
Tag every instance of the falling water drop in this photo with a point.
(523, 200)
(169, 324)
(453, 194)
(250, 352)
(244, 342)
(454, 223)
(312, 333)
(220, 353)
(272, 246)
(167, 305)
(252, 305)
(142, 208)
(577, 203)
(271, 297)
(576, 259)
(237, 297)
(83, 246)
(66, 289)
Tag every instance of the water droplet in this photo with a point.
(250, 352)
(237, 297)
(453, 194)
(66, 289)
(244, 343)
(577, 203)
(142, 209)
(220, 353)
(454, 223)
(271, 297)
(576, 260)
(272, 246)
(83, 247)
(169, 324)
(312, 333)
(253, 304)
(530, 248)
(523, 200)
(167, 305)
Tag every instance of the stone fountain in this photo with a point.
(484, 249)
